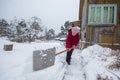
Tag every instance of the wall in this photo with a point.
(96, 34)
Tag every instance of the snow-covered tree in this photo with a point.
(13, 25)
(21, 30)
(4, 30)
(36, 26)
(64, 29)
(50, 34)
(67, 25)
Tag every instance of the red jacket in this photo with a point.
(72, 40)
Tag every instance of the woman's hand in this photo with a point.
(73, 47)
(69, 49)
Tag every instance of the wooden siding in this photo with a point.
(81, 9)
(99, 35)
(114, 47)
(94, 33)
(103, 1)
(107, 38)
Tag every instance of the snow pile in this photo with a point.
(96, 60)
(95, 51)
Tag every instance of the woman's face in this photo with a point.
(74, 33)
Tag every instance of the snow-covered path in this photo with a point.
(74, 71)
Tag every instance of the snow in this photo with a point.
(86, 64)
(97, 58)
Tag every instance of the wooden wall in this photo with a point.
(81, 4)
(97, 35)
(103, 1)
(93, 32)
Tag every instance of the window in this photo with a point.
(102, 14)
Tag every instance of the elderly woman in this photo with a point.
(71, 42)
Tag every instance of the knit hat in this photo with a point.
(75, 29)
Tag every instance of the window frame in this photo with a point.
(102, 12)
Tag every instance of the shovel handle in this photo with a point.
(61, 52)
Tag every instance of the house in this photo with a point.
(100, 23)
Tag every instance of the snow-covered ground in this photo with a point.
(86, 64)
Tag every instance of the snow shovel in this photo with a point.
(44, 58)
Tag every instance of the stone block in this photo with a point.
(8, 47)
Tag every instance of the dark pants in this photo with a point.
(68, 57)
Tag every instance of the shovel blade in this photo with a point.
(43, 59)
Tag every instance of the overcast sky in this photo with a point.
(53, 13)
